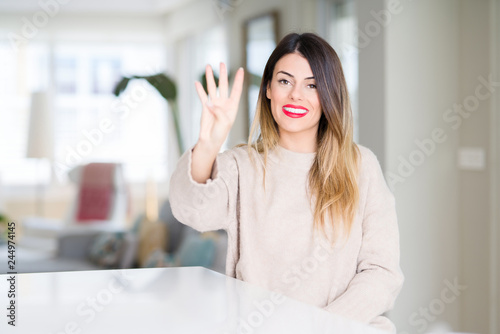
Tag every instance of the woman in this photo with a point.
(307, 211)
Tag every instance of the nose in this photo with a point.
(296, 93)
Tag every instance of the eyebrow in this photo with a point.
(286, 73)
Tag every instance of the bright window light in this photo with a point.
(90, 123)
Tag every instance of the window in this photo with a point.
(90, 123)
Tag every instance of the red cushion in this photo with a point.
(96, 193)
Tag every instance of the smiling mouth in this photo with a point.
(294, 111)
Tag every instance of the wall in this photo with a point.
(372, 82)
(422, 82)
(495, 169)
(435, 52)
(475, 186)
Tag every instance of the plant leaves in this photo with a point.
(122, 85)
(164, 85)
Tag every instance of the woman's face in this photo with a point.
(294, 98)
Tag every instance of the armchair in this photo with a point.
(101, 204)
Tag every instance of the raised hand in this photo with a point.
(219, 110)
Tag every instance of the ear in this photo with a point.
(268, 91)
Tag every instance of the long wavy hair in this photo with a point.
(333, 184)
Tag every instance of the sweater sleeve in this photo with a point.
(209, 206)
(378, 279)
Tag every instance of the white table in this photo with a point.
(162, 300)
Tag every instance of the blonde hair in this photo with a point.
(333, 177)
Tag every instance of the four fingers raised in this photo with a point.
(223, 85)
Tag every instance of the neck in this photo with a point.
(298, 142)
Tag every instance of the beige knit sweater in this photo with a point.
(271, 241)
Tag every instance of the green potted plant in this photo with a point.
(166, 87)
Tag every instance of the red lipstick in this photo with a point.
(294, 111)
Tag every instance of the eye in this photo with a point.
(312, 86)
(284, 81)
